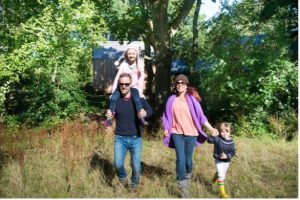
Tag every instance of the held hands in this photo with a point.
(214, 132)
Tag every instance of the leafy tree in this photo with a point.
(252, 74)
(51, 59)
(155, 22)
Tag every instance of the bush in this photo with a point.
(284, 126)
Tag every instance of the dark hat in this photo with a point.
(183, 78)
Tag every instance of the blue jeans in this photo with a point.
(135, 97)
(184, 148)
(134, 145)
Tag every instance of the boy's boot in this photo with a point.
(215, 179)
(108, 122)
(183, 188)
(222, 190)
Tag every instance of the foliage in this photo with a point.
(181, 44)
(125, 19)
(284, 126)
(51, 59)
(251, 75)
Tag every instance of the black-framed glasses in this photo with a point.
(124, 84)
(180, 83)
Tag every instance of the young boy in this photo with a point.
(224, 150)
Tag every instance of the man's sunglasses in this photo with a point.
(124, 84)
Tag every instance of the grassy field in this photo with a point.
(75, 161)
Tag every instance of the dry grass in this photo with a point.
(76, 160)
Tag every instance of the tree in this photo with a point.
(50, 60)
(251, 73)
(156, 22)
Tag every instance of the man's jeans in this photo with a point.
(184, 147)
(122, 145)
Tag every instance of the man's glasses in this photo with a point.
(180, 83)
(124, 84)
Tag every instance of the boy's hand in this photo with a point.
(223, 156)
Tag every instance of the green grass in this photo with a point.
(76, 161)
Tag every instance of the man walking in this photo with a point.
(128, 132)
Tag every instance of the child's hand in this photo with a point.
(215, 132)
(142, 113)
(223, 156)
(108, 114)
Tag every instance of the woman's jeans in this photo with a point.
(184, 147)
(135, 97)
(121, 146)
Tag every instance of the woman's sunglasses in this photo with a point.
(180, 83)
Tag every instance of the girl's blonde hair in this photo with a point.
(138, 64)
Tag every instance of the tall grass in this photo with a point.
(76, 160)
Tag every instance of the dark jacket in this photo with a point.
(127, 121)
(222, 145)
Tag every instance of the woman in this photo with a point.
(183, 119)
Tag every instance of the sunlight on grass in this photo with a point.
(76, 161)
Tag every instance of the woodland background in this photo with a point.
(244, 62)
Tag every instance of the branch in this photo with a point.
(182, 12)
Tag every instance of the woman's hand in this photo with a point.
(166, 133)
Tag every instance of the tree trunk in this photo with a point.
(158, 34)
(162, 58)
(195, 34)
(162, 63)
(150, 74)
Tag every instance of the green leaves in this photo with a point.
(51, 58)
(257, 76)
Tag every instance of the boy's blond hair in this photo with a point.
(222, 125)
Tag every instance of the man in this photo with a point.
(128, 131)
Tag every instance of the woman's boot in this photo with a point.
(183, 188)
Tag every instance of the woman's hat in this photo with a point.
(183, 78)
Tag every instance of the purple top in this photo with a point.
(197, 114)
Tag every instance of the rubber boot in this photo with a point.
(222, 190)
(183, 188)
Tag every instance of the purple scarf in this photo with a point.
(198, 118)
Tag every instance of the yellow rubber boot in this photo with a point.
(222, 190)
